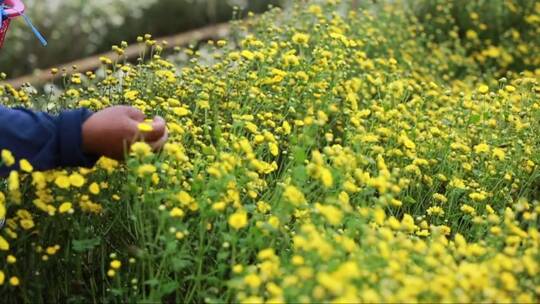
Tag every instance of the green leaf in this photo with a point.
(151, 282)
(299, 155)
(169, 287)
(474, 119)
(409, 200)
(85, 245)
(179, 264)
(223, 255)
(299, 174)
(117, 291)
(171, 247)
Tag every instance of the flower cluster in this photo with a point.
(328, 153)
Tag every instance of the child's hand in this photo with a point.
(111, 131)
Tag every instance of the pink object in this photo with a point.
(14, 8)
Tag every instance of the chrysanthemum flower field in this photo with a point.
(331, 152)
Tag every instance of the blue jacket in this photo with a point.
(45, 141)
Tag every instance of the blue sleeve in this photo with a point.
(46, 141)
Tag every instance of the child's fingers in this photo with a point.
(134, 113)
(156, 145)
(158, 130)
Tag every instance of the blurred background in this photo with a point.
(499, 33)
(80, 28)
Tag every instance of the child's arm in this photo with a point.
(73, 138)
(45, 141)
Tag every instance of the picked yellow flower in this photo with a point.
(145, 127)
